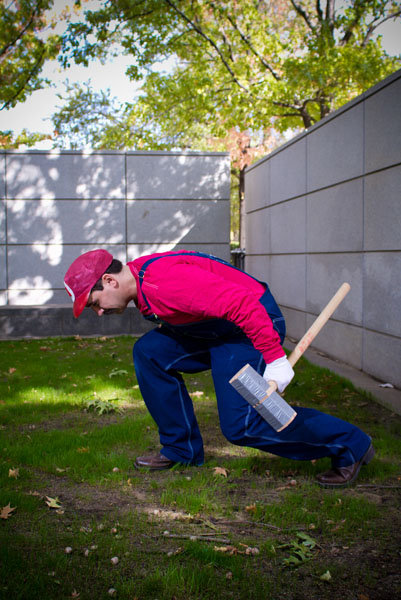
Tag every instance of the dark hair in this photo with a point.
(115, 267)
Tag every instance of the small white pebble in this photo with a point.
(113, 530)
(166, 532)
(116, 470)
(68, 550)
(112, 592)
(293, 482)
(115, 560)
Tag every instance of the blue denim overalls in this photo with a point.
(162, 354)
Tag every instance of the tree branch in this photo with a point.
(209, 40)
(20, 35)
(374, 25)
(304, 15)
(252, 49)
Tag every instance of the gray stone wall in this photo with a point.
(326, 208)
(56, 205)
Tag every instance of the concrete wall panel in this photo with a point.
(382, 292)
(177, 221)
(258, 187)
(259, 267)
(2, 175)
(295, 321)
(325, 274)
(382, 127)
(167, 176)
(287, 271)
(137, 250)
(66, 221)
(382, 357)
(339, 340)
(287, 226)
(3, 268)
(36, 270)
(335, 218)
(258, 232)
(3, 232)
(64, 175)
(382, 221)
(335, 150)
(288, 172)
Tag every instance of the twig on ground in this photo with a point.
(200, 538)
(373, 485)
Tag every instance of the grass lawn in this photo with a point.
(79, 521)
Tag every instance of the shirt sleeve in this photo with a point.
(202, 294)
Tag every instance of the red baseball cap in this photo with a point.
(82, 276)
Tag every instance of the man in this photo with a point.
(210, 315)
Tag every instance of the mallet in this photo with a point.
(262, 395)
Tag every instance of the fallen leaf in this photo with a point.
(220, 471)
(6, 511)
(363, 597)
(13, 473)
(53, 502)
(251, 508)
(82, 450)
(226, 549)
(11, 370)
(326, 576)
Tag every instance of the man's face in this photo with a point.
(109, 300)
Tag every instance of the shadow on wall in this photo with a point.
(61, 205)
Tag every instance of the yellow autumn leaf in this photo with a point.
(14, 473)
(220, 471)
(6, 511)
(53, 502)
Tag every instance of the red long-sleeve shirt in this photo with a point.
(183, 288)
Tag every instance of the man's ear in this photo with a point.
(109, 279)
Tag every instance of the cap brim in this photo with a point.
(80, 303)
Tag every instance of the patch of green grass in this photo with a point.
(56, 448)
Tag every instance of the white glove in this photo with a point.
(279, 371)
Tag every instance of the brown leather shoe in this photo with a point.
(154, 462)
(339, 477)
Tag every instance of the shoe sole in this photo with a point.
(138, 466)
(365, 460)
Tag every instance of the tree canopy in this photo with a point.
(244, 64)
(25, 45)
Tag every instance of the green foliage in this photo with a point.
(25, 138)
(24, 47)
(235, 64)
(300, 549)
(102, 406)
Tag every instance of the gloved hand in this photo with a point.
(279, 371)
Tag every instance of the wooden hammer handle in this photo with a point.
(316, 326)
